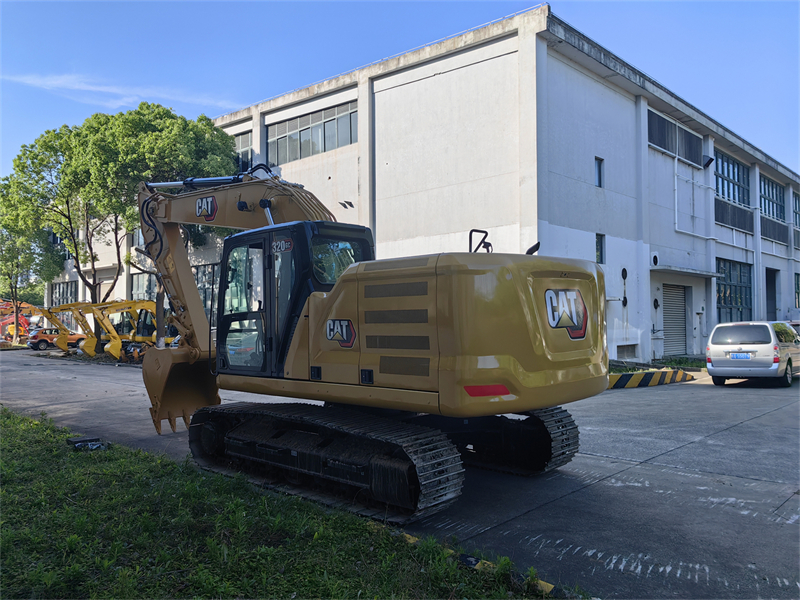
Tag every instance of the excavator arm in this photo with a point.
(181, 375)
(63, 330)
(87, 345)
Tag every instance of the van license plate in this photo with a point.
(740, 355)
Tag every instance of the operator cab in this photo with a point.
(267, 275)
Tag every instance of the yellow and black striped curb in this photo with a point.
(545, 588)
(647, 378)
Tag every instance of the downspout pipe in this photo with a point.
(675, 195)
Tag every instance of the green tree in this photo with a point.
(82, 181)
(27, 255)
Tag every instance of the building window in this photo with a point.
(244, 151)
(600, 248)
(598, 172)
(64, 293)
(772, 203)
(312, 134)
(143, 286)
(796, 197)
(797, 290)
(733, 179)
(674, 139)
(734, 291)
(137, 239)
(207, 279)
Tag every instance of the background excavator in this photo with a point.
(424, 363)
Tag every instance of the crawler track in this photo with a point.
(367, 464)
(546, 440)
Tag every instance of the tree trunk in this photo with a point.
(98, 329)
(15, 339)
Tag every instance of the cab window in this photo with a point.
(245, 280)
(330, 258)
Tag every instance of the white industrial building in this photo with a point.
(532, 131)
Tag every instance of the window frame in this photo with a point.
(734, 294)
(149, 289)
(600, 248)
(731, 174)
(599, 172)
(676, 142)
(315, 124)
(773, 207)
(797, 290)
(244, 164)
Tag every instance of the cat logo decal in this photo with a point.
(206, 208)
(342, 331)
(566, 310)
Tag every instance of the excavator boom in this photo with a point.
(180, 377)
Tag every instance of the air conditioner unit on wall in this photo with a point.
(654, 260)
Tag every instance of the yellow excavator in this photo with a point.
(144, 336)
(123, 332)
(74, 308)
(424, 363)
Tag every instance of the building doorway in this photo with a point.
(772, 294)
(674, 319)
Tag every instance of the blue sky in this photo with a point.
(62, 61)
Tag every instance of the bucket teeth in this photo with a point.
(156, 420)
(172, 422)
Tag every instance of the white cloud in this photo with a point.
(80, 88)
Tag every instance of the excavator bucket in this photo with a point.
(61, 341)
(114, 347)
(177, 387)
(88, 345)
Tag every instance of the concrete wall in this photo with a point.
(446, 153)
(588, 118)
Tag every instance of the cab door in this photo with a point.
(284, 290)
(243, 332)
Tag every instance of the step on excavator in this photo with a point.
(424, 363)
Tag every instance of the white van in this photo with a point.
(753, 349)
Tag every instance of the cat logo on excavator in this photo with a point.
(206, 208)
(566, 310)
(342, 331)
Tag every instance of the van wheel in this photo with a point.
(786, 380)
(718, 380)
(42, 346)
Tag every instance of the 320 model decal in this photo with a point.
(566, 310)
(342, 331)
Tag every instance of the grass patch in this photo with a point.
(123, 523)
(682, 362)
(616, 369)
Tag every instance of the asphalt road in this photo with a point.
(686, 490)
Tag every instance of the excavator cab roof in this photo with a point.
(321, 249)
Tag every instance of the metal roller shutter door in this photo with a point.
(674, 320)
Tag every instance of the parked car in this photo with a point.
(795, 325)
(41, 339)
(753, 349)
